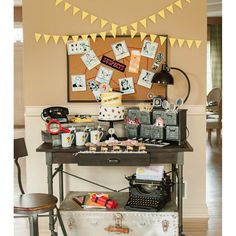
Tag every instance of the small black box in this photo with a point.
(157, 132)
(145, 117)
(145, 131)
(132, 130)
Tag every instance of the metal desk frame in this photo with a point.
(172, 154)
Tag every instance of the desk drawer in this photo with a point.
(119, 159)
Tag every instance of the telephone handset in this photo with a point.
(57, 113)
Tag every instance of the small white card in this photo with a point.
(145, 78)
(90, 59)
(120, 50)
(79, 47)
(104, 75)
(149, 49)
(78, 83)
(127, 85)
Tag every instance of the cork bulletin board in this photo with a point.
(103, 48)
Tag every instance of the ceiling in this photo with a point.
(214, 7)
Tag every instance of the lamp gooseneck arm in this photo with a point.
(189, 86)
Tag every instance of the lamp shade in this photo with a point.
(163, 77)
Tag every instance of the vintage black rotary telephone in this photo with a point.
(56, 113)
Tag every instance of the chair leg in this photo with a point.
(61, 222)
(209, 136)
(34, 226)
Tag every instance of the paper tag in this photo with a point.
(134, 61)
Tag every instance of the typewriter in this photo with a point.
(148, 195)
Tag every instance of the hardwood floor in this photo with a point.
(214, 198)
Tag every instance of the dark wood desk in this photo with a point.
(172, 154)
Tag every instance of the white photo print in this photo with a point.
(149, 49)
(78, 83)
(104, 75)
(90, 59)
(79, 47)
(145, 78)
(120, 50)
(127, 85)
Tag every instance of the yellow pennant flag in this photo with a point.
(198, 43)
(67, 6)
(162, 39)
(181, 42)
(46, 37)
(56, 38)
(153, 18)
(103, 23)
(84, 14)
(172, 41)
(123, 29)
(142, 35)
(143, 22)
(84, 36)
(75, 38)
(93, 36)
(135, 25)
(162, 13)
(93, 19)
(179, 4)
(114, 26)
(133, 33)
(75, 10)
(58, 2)
(113, 32)
(65, 38)
(37, 36)
(170, 9)
(153, 37)
(103, 35)
(188, 1)
(190, 43)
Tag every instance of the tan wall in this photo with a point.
(45, 66)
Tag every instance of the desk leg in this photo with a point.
(50, 189)
(61, 183)
(180, 198)
(174, 178)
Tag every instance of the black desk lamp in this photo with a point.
(165, 78)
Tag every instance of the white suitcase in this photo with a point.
(106, 222)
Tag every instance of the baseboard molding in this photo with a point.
(195, 225)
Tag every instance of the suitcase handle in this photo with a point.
(115, 229)
(114, 161)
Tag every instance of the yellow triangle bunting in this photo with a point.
(162, 13)
(103, 35)
(133, 33)
(123, 30)
(93, 36)
(56, 38)
(113, 32)
(114, 26)
(75, 38)
(142, 35)
(190, 43)
(180, 42)
(84, 14)
(37, 36)
(93, 19)
(46, 37)
(58, 2)
(153, 37)
(103, 23)
(75, 10)
(65, 38)
(67, 6)
(179, 4)
(84, 36)
(143, 22)
(170, 9)
(153, 18)
(188, 1)
(135, 25)
(172, 41)
(162, 39)
(198, 43)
